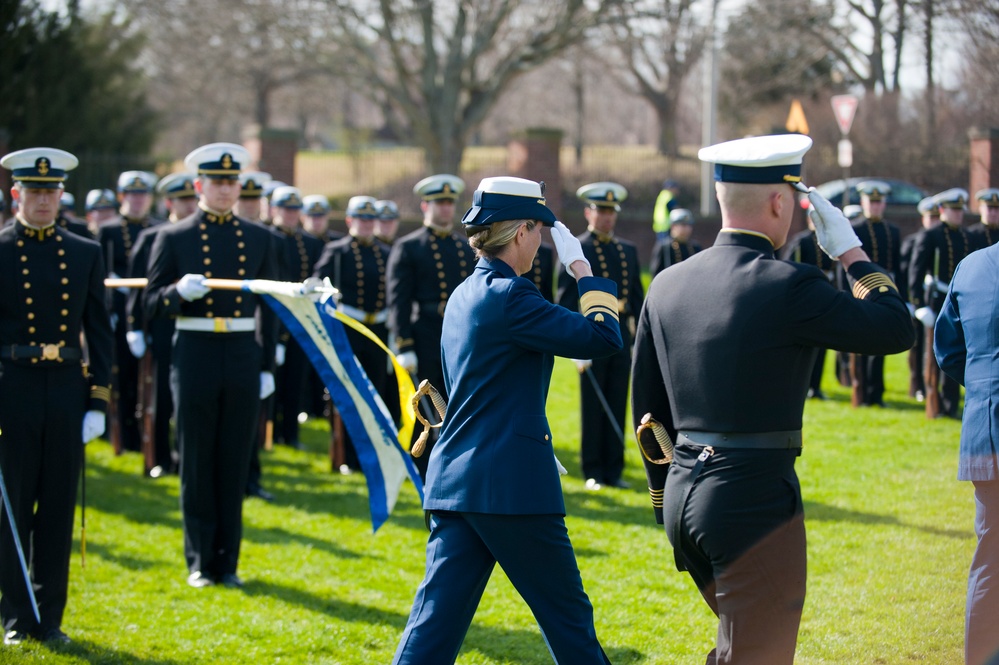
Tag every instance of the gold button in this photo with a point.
(242, 259)
(31, 330)
(205, 248)
(241, 272)
(209, 301)
(65, 312)
(34, 360)
(209, 314)
(441, 275)
(61, 252)
(62, 266)
(202, 226)
(62, 328)
(31, 315)
(204, 236)
(546, 437)
(239, 299)
(241, 244)
(24, 259)
(208, 261)
(166, 302)
(65, 296)
(27, 285)
(239, 233)
(25, 271)
(443, 285)
(208, 273)
(20, 243)
(236, 313)
(29, 301)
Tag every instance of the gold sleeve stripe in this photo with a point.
(101, 393)
(598, 301)
(877, 281)
(657, 498)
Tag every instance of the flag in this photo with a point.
(319, 329)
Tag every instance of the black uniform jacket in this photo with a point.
(936, 253)
(216, 246)
(357, 269)
(51, 290)
(669, 252)
(726, 339)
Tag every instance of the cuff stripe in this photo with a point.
(875, 282)
(101, 393)
(592, 302)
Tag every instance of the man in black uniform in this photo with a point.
(424, 268)
(804, 248)
(68, 221)
(723, 352)
(387, 224)
(934, 258)
(222, 357)
(676, 247)
(135, 193)
(100, 207)
(986, 234)
(298, 253)
(251, 195)
(882, 242)
(356, 267)
(51, 290)
(316, 218)
(156, 336)
(602, 446)
(929, 216)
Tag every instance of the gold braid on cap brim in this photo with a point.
(662, 439)
(874, 282)
(439, 404)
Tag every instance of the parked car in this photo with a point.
(902, 200)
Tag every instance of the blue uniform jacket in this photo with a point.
(966, 344)
(500, 337)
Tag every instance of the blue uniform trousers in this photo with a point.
(535, 553)
(981, 633)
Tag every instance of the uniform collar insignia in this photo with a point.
(39, 234)
(602, 237)
(214, 216)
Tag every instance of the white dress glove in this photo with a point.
(567, 245)
(832, 229)
(561, 469)
(192, 287)
(136, 342)
(583, 365)
(93, 425)
(266, 385)
(926, 316)
(279, 354)
(408, 361)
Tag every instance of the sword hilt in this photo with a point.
(439, 404)
(663, 441)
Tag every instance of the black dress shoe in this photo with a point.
(199, 580)
(55, 636)
(260, 493)
(231, 580)
(14, 637)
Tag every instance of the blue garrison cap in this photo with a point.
(506, 198)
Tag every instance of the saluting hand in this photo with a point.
(832, 229)
(568, 247)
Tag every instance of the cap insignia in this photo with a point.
(42, 166)
(227, 161)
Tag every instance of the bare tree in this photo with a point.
(441, 65)
(661, 42)
(979, 88)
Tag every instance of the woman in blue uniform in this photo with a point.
(493, 489)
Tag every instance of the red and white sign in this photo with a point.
(844, 108)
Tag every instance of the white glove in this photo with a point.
(567, 245)
(926, 316)
(561, 469)
(911, 308)
(136, 342)
(279, 354)
(832, 228)
(408, 361)
(266, 385)
(93, 425)
(192, 287)
(583, 365)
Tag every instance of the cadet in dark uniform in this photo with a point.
(135, 191)
(678, 246)
(156, 336)
(299, 252)
(723, 352)
(424, 268)
(100, 207)
(929, 216)
(986, 234)
(602, 449)
(493, 490)
(934, 259)
(68, 221)
(51, 290)
(882, 242)
(251, 193)
(266, 214)
(387, 224)
(223, 356)
(804, 248)
(316, 218)
(356, 266)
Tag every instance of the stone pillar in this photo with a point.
(984, 155)
(534, 154)
(272, 151)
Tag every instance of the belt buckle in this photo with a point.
(50, 352)
(369, 318)
(222, 324)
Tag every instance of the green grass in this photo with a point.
(890, 535)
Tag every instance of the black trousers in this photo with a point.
(427, 345)
(162, 342)
(917, 361)
(602, 451)
(216, 386)
(126, 389)
(289, 393)
(872, 372)
(739, 531)
(41, 451)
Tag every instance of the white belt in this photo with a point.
(362, 316)
(217, 324)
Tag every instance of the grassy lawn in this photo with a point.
(890, 538)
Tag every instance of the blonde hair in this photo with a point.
(490, 240)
